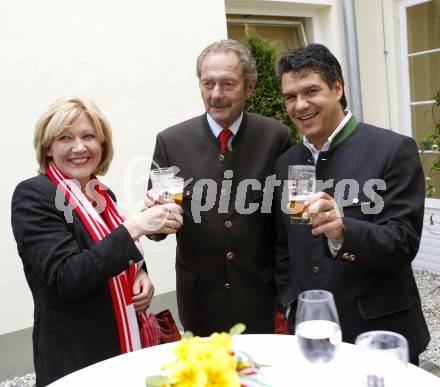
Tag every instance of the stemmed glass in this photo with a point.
(383, 358)
(317, 331)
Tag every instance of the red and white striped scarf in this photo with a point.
(98, 226)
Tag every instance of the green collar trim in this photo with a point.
(348, 129)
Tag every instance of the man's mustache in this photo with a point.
(219, 104)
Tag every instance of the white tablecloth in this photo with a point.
(281, 352)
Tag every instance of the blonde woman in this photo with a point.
(81, 257)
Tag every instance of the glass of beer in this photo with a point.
(301, 185)
(160, 176)
(175, 190)
(172, 189)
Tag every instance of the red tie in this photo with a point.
(223, 137)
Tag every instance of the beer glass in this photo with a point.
(159, 178)
(301, 185)
(383, 358)
(174, 189)
(166, 185)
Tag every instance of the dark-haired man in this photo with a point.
(366, 221)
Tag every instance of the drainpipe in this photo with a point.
(354, 79)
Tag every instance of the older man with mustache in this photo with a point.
(225, 258)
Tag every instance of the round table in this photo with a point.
(287, 367)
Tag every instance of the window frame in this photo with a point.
(406, 95)
(272, 22)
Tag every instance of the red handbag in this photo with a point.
(168, 328)
(149, 329)
(157, 329)
(281, 325)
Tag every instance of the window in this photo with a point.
(287, 32)
(421, 65)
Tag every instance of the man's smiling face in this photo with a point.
(311, 105)
(223, 87)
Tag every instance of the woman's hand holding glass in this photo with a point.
(159, 219)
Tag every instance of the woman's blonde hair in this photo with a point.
(60, 115)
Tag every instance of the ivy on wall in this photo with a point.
(430, 148)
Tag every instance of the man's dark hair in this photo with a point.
(317, 58)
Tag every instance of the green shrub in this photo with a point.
(431, 143)
(267, 99)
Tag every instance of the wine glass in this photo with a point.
(383, 358)
(317, 331)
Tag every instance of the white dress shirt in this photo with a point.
(216, 128)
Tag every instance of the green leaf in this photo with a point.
(156, 381)
(188, 335)
(431, 141)
(237, 329)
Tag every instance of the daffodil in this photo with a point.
(202, 362)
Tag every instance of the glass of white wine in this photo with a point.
(317, 332)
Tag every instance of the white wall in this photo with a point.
(379, 57)
(136, 59)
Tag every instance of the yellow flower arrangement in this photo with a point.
(203, 362)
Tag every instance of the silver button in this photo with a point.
(230, 255)
(355, 201)
(221, 158)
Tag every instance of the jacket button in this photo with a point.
(227, 286)
(130, 262)
(228, 224)
(315, 269)
(221, 158)
(187, 193)
(345, 256)
(355, 200)
(230, 255)
(352, 257)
